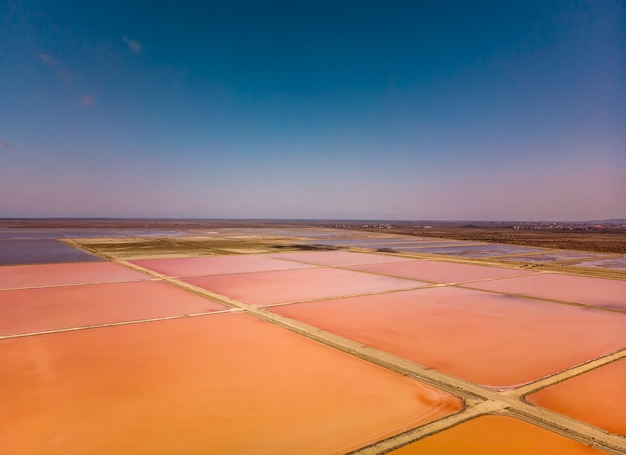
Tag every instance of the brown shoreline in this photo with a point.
(609, 238)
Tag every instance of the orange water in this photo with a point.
(496, 435)
(217, 384)
(597, 397)
(486, 338)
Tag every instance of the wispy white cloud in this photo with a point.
(134, 46)
(59, 70)
(64, 75)
(87, 100)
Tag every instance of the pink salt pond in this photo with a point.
(264, 288)
(338, 258)
(605, 293)
(27, 276)
(44, 309)
(491, 339)
(216, 265)
(439, 272)
(597, 397)
(217, 384)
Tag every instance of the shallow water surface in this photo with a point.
(43, 309)
(612, 263)
(496, 435)
(482, 250)
(40, 251)
(496, 340)
(26, 276)
(605, 293)
(217, 384)
(597, 397)
(216, 265)
(339, 258)
(440, 272)
(264, 288)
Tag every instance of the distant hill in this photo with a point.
(612, 221)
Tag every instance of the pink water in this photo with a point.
(42, 309)
(339, 258)
(24, 276)
(599, 292)
(216, 265)
(490, 339)
(440, 272)
(265, 288)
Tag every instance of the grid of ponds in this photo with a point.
(303, 352)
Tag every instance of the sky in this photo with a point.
(425, 110)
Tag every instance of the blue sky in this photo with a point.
(481, 110)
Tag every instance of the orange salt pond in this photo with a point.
(440, 272)
(338, 258)
(264, 288)
(216, 265)
(26, 276)
(496, 340)
(496, 435)
(605, 293)
(597, 397)
(42, 309)
(217, 384)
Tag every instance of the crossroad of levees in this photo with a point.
(320, 351)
